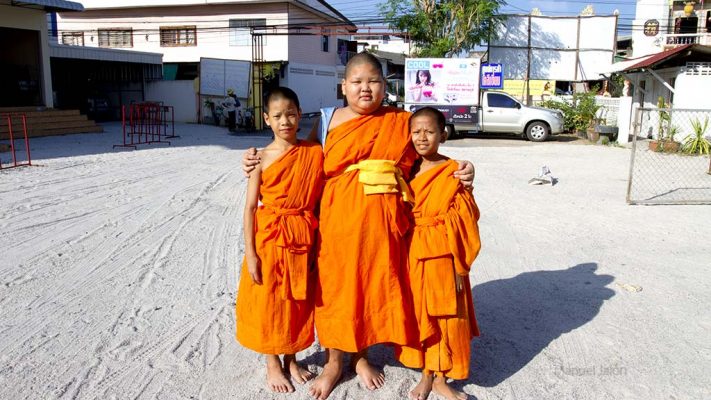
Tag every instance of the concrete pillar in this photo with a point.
(624, 120)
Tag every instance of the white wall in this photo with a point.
(314, 84)
(692, 91)
(212, 25)
(179, 94)
(24, 18)
(646, 10)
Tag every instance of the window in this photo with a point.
(119, 37)
(324, 42)
(240, 34)
(178, 36)
(73, 38)
(499, 100)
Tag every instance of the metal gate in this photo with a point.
(661, 169)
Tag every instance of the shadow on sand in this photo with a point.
(520, 316)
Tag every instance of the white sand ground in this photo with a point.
(118, 276)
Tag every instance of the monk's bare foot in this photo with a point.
(298, 373)
(370, 377)
(276, 380)
(423, 389)
(324, 383)
(441, 387)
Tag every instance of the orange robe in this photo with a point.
(445, 241)
(276, 317)
(361, 294)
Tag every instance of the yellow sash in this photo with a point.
(381, 176)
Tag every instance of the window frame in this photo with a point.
(177, 31)
(109, 31)
(73, 35)
(325, 43)
(250, 23)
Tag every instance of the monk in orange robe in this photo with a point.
(275, 300)
(443, 244)
(361, 297)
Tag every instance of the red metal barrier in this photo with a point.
(146, 123)
(11, 135)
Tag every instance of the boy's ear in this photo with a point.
(266, 118)
(443, 138)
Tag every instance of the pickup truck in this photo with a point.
(498, 112)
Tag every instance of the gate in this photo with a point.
(662, 170)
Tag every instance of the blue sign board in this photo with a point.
(492, 76)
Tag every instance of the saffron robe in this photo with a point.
(276, 317)
(361, 295)
(444, 242)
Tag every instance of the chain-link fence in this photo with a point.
(662, 170)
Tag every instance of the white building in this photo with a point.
(300, 39)
(663, 24)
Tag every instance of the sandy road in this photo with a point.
(118, 277)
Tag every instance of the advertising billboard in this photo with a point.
(443, 81)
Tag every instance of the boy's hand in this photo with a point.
(459, 283)
(465, 174)
(250, 160)
(255, 269)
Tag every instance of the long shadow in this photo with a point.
(520, 316)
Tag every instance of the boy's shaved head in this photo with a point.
(281, 92)
(365, 58)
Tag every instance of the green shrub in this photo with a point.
(579, 117)
(566, 109)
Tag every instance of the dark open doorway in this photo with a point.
(20, 68)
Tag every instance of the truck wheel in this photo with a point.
(451, 132)
(537, 131)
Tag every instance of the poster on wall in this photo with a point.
(537, 89)
(444, 81)
(218, 75)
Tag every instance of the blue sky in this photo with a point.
(367, 10)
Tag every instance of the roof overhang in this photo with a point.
(49, 5)
(676, 57)
(102, 54)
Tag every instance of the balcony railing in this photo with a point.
(679, 39)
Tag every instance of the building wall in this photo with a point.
(309, 48)
(179, 94)
(315, 85)
(692, 91)
(211, 22)
(23, 18)
(649, 10)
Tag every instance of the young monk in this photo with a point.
(443, 244)
(361, 296)
(275, 302)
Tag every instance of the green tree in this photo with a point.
(441, 28)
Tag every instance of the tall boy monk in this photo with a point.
(274, 302)
(443, 244)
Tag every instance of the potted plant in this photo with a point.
(586, 113)
(665, 132)
(696, 143)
